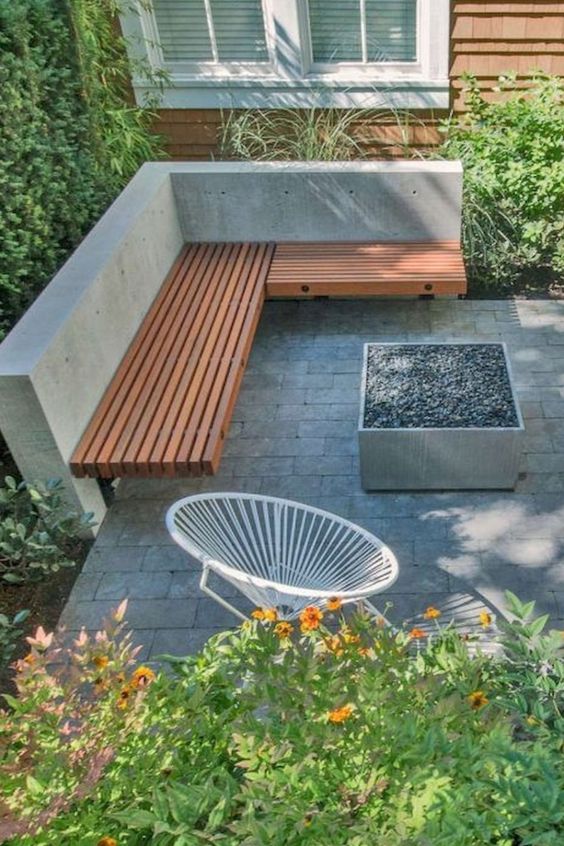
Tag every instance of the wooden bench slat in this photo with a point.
(153, 359)
(309, 269)
(178, 371)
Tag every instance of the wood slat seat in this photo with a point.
(311, 269)
(168, 405)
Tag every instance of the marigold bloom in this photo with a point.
(417, 634)
(310, 618)
(339, 715)
(271, 615)
(123, 698)
(258, 614)
(107, 841)
(283, 629)
(334, 603)
(100, 661)
(364, 651)
(486, 619)
(431, 613)
(142, 677)
(477, 699)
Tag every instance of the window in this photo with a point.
(256, 53)
(211, 30)
(366, 31)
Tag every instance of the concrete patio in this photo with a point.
(294, 435)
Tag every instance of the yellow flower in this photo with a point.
(531, 721)
(271, 615)
(334, 645)
(339, 715)
(334, 603)
(123, 698)
(258, 614)
(486, 619)
(417, 634)
(283, 629)
(431, 613)
(142, 677)
(477, 700)
(107, 841)
(100, 661)
(310, 618)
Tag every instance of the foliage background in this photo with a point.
(70, 136)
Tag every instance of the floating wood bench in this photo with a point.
(168, 406)
(366, 269)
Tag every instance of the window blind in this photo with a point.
(389, 33)
(221, 30)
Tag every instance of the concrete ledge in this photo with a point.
(60, 357)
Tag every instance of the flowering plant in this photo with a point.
(329, 729)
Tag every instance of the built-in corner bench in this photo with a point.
(167, 409)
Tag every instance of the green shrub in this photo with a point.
(351, 734)
(38, 532)
(513, 156)
(70, 138)
(10, 633)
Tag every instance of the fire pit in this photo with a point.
(438, 416)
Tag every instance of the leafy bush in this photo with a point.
(513, 156)
(70, 139)
(346, 734)
(38, 532)
(10, 633)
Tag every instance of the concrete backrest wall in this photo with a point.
(57, 362)
(319, 201)
(59, 359)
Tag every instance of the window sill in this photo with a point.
(405, 92)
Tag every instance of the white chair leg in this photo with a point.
(205, 589)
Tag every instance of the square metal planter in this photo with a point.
(423, 455)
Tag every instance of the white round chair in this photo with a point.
(280, 554)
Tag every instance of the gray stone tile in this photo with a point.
(327, 428)
(291, 487)
(210, 614)
(113, 559)
(168, 558)
(334, 411)
(276, 446)
(325, 465)
(185, 585)
(340, 446)
(144, 585)
(553, 408)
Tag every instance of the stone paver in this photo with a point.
(294, 435)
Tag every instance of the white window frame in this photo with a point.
(291, 78)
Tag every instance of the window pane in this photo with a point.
(335, 30)
(239, 30)
(391, 30)
(183, 30)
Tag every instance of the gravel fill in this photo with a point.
(438, 386)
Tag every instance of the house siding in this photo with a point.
(487, 39)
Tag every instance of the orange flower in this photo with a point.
(364, 651)
(283, 629)
(142, 677)
(431, 613)
(100, 661)
(310, 618)
(29, 659)
(271, 615)
(334, 603)
(107, 841)
(381, 622)
(477, 700)
(123, 698)
(258, 614)
(417, 634)
(339, 715)
(348, 636)
(486, 619)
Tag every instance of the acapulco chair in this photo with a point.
(280, 554)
